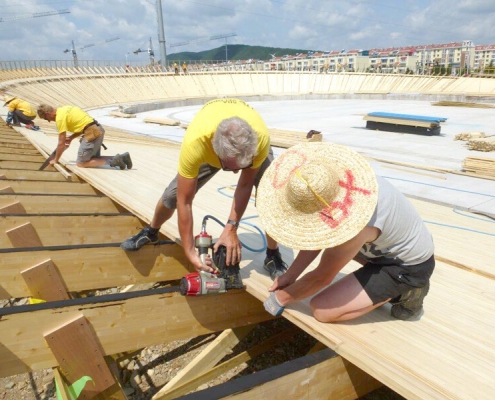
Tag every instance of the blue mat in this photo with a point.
(408, 117)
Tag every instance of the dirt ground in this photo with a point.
(147, 372)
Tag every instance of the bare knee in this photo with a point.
(321, 314)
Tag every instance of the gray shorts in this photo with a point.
(206, 172)
(382, 282)
(88, 150)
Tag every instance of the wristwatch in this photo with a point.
(232, 222)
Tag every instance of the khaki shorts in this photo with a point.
(88, 150)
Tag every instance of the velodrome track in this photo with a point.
(449, 352)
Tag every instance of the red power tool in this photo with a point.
(203, 283)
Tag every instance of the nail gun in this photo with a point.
(203, 283)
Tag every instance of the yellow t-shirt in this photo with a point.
(72, 119)
(197, 148)
(23, 106)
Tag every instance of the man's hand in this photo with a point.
(281, 282)
(233, 246)
(273, 306)
(199, 265)
(53, 162)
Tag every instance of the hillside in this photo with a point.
(235, 52)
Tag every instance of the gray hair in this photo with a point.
(43, 109)
(235, 138)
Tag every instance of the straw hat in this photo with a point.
(316, 195)
(8, 99)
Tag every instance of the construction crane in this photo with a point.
(34, 15)
(74, 53)
(206, 39)
(149, 51)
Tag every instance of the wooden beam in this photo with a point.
(59, 204)
(24, 235)
(16, 145)
(7, 189)
(88, 268)
(243, 357)
(41, 187)
(13, 208)
(31, 166)
(141, 322)
(207, 359)
(44, 282)
(69, 230)
(22, 158)
(79, 354)
(322, 375)
(33, 175)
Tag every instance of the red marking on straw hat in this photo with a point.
(280, 181)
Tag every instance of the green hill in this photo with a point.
(235, 52)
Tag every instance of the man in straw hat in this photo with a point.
(225, 134)
(20, 111)
(323, 196)
(73, 119)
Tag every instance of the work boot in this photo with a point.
(410, 303)
(275, 265)
(148, 235)
(126, 157)
(117, 161)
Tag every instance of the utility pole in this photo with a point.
(161, 35)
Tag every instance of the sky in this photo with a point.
(302, 24)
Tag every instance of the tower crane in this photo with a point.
(34, 15)
(207, 38)
(149, 51)
(72, 50)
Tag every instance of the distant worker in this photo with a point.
(75, 120)
(323, 196)
(20, 111)
(176, 68)
(225, 134)
(184, 67)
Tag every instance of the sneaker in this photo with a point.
(135, 242)
(410, 303)
(275, 265)
(126, 157)
(117, 161)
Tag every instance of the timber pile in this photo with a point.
(162, 121)
(285, 139)
(481, 166)
(485, 144)
(120, 114)
(461, 104)
(469, 135)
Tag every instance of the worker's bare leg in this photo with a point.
(161, 215)
(342, 301)
(270, 242)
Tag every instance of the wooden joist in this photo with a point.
(285, 138)
(44, 187)
(161, 121)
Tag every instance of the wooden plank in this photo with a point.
(88, 268)
(44, 282)
(60, 383)
(59, 204)
(22, 157)
(16, 145)
(323, 375)
(396, 121)
(146, 321)
(13, 208)
(7, 189)
(69, 230)
(33, 175)
(42, 187)
(207, 359)
(24, 235)
(79, 354)
(31, 166)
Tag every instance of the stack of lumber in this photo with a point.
(469, 135)
(121, 114)
(286, 139)
(485, 144)
(161, 121)
(461, 104)
(482, 166)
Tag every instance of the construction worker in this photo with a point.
(20, 111)
(225, 134)
(176, 68)
(323, 196)
(73, 119)
(184, 67)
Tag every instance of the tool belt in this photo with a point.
(92, 131)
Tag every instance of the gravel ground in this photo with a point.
(148, 371)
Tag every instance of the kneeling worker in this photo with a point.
(73, 119)
(20, 111)
(323, 196)
(225, 134)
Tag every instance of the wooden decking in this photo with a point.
(447, 354)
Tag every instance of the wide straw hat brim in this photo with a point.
(8, 99)
(316, 195)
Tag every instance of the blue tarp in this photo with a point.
(407, 117)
